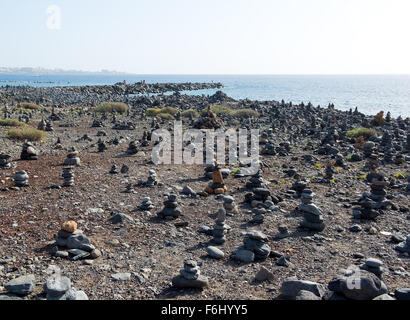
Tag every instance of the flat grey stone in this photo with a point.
(292, 287)
(214, 252)
(23, 285)
(57, 286)
(121, 276)
(181, 282)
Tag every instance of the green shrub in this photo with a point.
(26, 133)
(11, 123)
(166, 116)
(219, 110)
(156, 112)
(107, 107)
(245, 113)
(29, 106)
(361, 132)
(191, 113)
(170, 110)
(152, 112)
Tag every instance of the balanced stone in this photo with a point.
(220, 228)
(152, 179)
(190, 277)
(29, 152)
(21, 179)
(146, 204)
(313, 216)
(101, 146)
(132, 148)
(68, 176)
(72, 159)
(171, 209)
(114, 169)
(5, 161)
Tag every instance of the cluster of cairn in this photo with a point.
(45, 126)
(5, 161)
(372, 203)
(170, 209)
(255, 247)
(190, 276)
(29, 152)
(313, 216)
(68, 176)
(220, 228)
(217, 186)
(146, 204)
(132, 148)
(72, 243)
(208, 121)
(72, 159)
(21, 179)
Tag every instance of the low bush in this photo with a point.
(29, 106)
(166, 116)
(106, 107)
(362, 132)
(245, 113)
(26, 133)
(191, 113)
(11, 123)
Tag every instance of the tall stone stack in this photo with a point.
(5, 161)
(256, 181)
(72, 160)
(101, 146)
(220, 228)
(230, 206)
(371, 203)
(21, 179)
(313, 216)
(29, 152)
(190, 276)
(171, 209)
(68, 176)
(256, 242)
(144, 141)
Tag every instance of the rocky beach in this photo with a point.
(86, 214)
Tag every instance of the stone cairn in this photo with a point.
(230, 206)
(404, 247)
(5, 161)
(49, 127)
(21, 179)
(256, 181)
(374, 266)
(190, 276)
(72, 243)
(170, 209)
(313, 216)
(132, 148)
(114, 169)
(371, 203)
(329, 172)
(72, 159)
(68, 176)
(29, 152)
(144, 141)
(152, 179)
(97, 124)
(217, 186)
(220, 228)
(146, 204)
(101, 146)
(255, 247)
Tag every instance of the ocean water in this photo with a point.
(370, 94)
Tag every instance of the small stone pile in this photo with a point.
(5, 161)
(58, 287)
(371, 203)
(152, 179)
(29, 152)
(49, 127)
(190, 276)
(114, 169)
(299, 186)
(374, 266)
(71, 242)
(369, 148)
(146, 204)
(254, 248)
(329, 172)
(208, 121)
(21, 179)
(68, 176)
(97, 124)
(217, 186)
(144, 141)
(404, 247)
(313, 216)
(220, 228)
(230, 206)
(132, 148)
(72, 159)
(171, 209)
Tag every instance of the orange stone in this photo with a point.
(217, 177)
(209, 190)
(220, 191)
(69, 226)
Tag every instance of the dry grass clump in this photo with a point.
(26, 133)
(107, 107)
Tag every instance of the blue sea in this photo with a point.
(370, 94)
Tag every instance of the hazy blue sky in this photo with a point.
(210, 37)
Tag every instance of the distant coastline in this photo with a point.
(43, 71)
